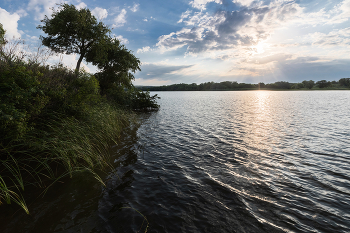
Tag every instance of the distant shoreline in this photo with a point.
(341, 84)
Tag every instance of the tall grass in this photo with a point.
(60, 147)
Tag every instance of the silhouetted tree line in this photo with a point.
(228, 85)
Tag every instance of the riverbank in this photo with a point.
(56, 122)
(341, 84)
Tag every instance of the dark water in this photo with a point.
(254, 161)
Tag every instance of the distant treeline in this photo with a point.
(343, 83)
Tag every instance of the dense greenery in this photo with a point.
(55, 121)
(73, 31)
(343, 83)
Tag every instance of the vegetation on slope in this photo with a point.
(54, 121)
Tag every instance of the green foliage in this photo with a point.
(22, 99)
(344, 82)
(54, 117)
(2, 36)
(66, 142)
(116, 63)
(82, 93)
(73, 31)
(308, 84)
(323, 84)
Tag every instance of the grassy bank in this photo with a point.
(57, 148)
(55, 122)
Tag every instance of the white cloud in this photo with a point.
(69, 61)
(150, 18)
(81, 5)
(244, 2)
(144, 49)
(135, 7)
(335, 38)
(10, 23)
(341, 12)
(120, 19)
(21, 13)
(184, 16)
(201, 4)
(122, 39)
(42, 7)
(100, 13)
(226, 30)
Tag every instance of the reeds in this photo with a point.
(60, 147)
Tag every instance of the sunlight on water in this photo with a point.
(255, 161)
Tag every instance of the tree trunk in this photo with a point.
(78, 63)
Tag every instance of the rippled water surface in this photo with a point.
(254, 161)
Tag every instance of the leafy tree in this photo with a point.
(261, 85)
(344, 82)
(323, 84)
(283, 85)
(2, 36)
(116, 63)
(308, 84)
(71, 30)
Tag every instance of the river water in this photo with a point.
(252, 161)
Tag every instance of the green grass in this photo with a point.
(60, 147)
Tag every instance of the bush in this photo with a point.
(22, 99)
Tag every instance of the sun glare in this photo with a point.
(259, 48)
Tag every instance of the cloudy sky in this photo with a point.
(186, 41)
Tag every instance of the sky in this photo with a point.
(196, 41)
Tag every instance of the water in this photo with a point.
(253, 161)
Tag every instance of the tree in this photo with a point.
(344, 82)
(308, 84)
(323, 83)
(2, 36)
(116, 63)
(73, 31)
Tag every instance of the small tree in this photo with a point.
(73, 31)
(308, 84)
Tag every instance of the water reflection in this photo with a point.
(221, 162)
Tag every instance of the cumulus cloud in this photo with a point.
(184, 16)
(244, 2)
(135, 7)
(201, 4)
(120, 20)
(229, 29)
(144, 49)
(100, 13)
(122, 39)
(42, 7)
(10, 23)
(81, 5)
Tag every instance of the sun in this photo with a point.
(259, 48)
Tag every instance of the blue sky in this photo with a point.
(186, 41)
